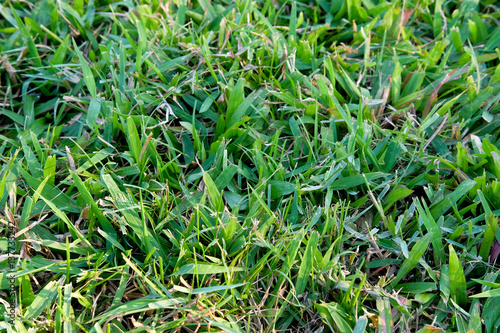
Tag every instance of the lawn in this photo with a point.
(250, 166)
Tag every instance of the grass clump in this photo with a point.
(250, 166)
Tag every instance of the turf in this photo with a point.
(250, 166)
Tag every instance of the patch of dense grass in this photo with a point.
(250, 166)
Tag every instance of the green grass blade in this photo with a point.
(416, 253)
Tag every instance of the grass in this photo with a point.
(250, 166)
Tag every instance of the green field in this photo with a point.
(250, 166)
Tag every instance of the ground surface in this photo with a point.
(250, 166)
